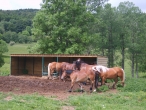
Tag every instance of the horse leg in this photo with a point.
(116, 80)
(103, 80)
(92, 83)
(81, 88)
(60, 74)
(96, 82)
(100, 80)
(72, 84)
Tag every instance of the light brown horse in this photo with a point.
(55, 66)
(82, 76)
(110, 73)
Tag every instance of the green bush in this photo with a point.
(11, 43)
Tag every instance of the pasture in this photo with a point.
(23, 92)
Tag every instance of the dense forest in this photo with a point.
(81, 27)
(15, 25)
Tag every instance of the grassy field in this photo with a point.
(131, 97)
(15, 49)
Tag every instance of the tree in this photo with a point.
(3, 49)
(62, 27)
(122, 29)
(134, 14)
(107, 41)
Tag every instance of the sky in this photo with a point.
(35, 4)
(138, 3)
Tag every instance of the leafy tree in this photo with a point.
(3, 49)
(10, 36)
(107, 41)
(62, 26)
(14, 22)
(122, 30)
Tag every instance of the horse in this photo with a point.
(68, 68)
(82, 76)
(110, 73)
(55, 66)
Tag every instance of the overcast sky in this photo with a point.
(35, 4)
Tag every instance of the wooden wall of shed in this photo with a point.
(14, 66)
(68, 59)
(33, 65)
(37, 66)
(102, 61)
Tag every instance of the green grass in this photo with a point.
(109, 101)
(27, 102)
(17, 49)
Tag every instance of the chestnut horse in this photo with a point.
(55, 66)
(110, 73)
(82, 76)
(60, 67)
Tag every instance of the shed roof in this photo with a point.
(54, 55)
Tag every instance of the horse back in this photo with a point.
(68, 66)
(52, 65)
(79, 76)
(59, 65)
(89, 71)
(118, 70)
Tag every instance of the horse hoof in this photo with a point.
(82, 91)
(95, 90)
(69, 91)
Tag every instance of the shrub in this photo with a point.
(11, 43)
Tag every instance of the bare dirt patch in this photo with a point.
(30, 84)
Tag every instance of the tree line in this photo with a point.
(15, 25)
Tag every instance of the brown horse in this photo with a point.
(55, 66)
(68, 66)
(82, 76)
(110, 73)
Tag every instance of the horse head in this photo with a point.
(78, 63)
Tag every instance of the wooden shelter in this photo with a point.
(36, 64)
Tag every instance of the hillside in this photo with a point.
(15, 25)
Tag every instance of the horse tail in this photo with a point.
(123, 81)
(49, 70)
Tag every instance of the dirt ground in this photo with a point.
(41, 85)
